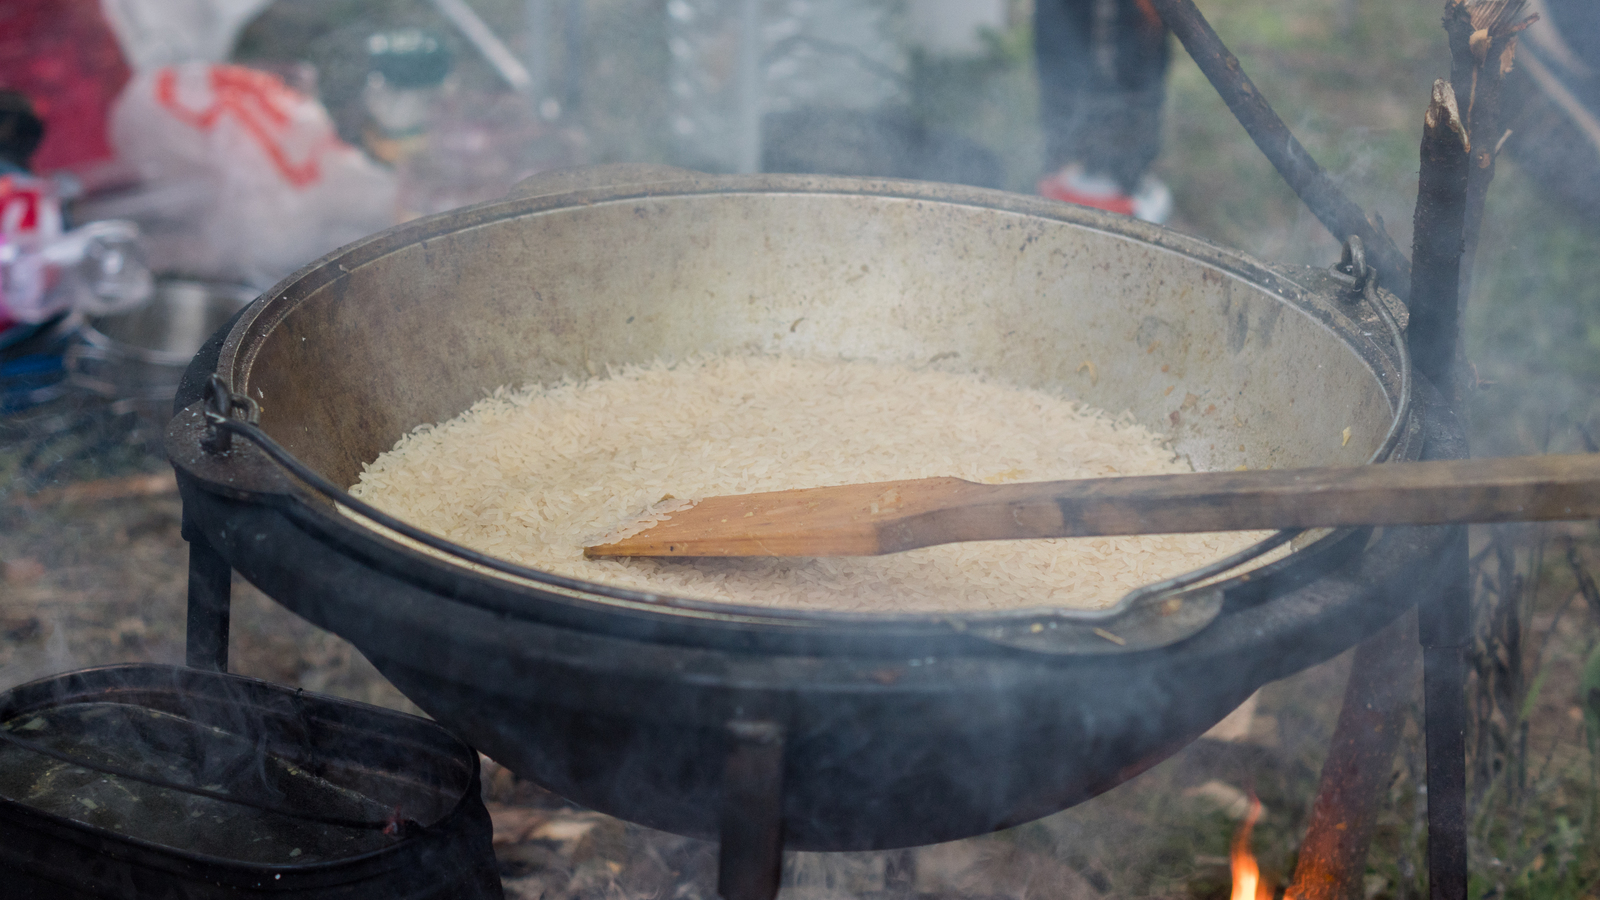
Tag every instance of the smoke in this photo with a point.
(614, 84)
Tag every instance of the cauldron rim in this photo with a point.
(637, 613)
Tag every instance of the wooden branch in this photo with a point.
(1483, 45)
(1438, 229)
(1383, 677)
(1341, 216)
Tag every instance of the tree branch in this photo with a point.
(1483, 47)
(1383, 677)
(1438, 227)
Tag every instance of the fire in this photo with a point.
(1246, 874)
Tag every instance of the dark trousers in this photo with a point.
(1102, 79)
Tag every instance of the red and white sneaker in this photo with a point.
(1152, 202)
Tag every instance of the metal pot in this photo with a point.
(136, 358)
(140, 355)
(837, 731)
(107, 793)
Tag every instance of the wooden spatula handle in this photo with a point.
(1472, 490)
(887, 517)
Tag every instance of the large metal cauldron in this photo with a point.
(856, 731)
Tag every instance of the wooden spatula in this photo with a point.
(891, 516)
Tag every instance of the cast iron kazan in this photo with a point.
(849, 731)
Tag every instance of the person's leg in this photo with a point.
(1122, 128)
(1102, 69)
(1061, 41)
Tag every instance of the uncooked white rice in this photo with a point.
(533, 475)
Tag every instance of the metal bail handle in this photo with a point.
(221, 404)
(1352, 269)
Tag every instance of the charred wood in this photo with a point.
(1333, 856)
(1483, 47)
(1438, 234)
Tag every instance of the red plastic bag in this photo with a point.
(64, 57)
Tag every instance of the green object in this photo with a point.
(1589, 698)
(409, 57)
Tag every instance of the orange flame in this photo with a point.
(1246, 874)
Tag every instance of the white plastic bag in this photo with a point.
(161, 32)
(256, 179)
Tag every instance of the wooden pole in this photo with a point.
(1334, 852)
(1482, 37)
(1438, 229)
(1483, 47)
(1333, 855)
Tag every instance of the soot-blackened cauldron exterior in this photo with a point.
(858, 731)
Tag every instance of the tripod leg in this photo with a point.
(750, 859)
(1445, 624)
(210, 597)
